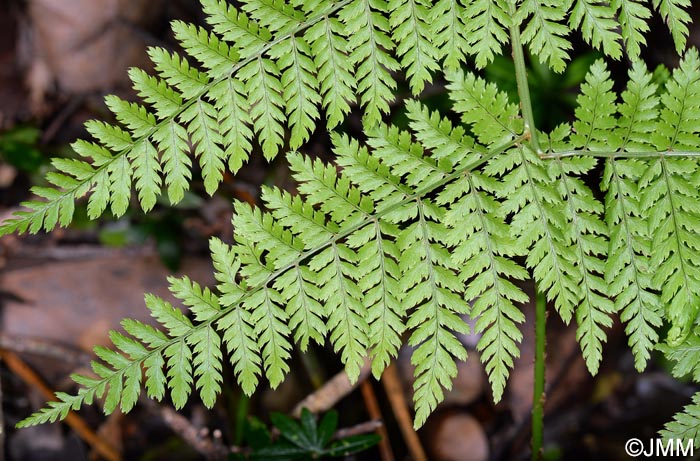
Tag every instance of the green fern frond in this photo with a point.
(493, 119)
(447, 23)
(269, 71)
(685, 425)
(368, 30)
(588, 237)
(670, 195)
(597, 22)
(676, 18)
(627, 269)
(633, 16)
(298, 278)
(417, 231)
(409, 22)
(335, 71)
(487, 22)
(545, 32)
(482, 251)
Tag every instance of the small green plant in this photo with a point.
(18, 147)
(300, 440)
(404, 235)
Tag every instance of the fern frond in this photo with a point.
(588, 236)
(300, 88)
(493, 119)
(539, 226)
(633, 16)
(429, 283)
(293, 272)
(378, 253)
(486, 23)
(447, 23)
(597, 22)
(685, 425)
(335, 73)
(264, 91)
(409, 22)
(627, 269)
(367, 29)
(482, 245)
(203, 111)
(676, 18)
(482, 250)
(669, 193)
(545, 33)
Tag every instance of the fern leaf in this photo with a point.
(409, 23)
(264, 92)
(56, 410)
(597, 22)
(627, 267)
(367, 29)
(134, 116)
(335, 75)
(275, 14)
(685, 425)
(486, 23)
(120, 175)
(380, 272)
(234, 121)
(676, 18)
(300, 88)
(335, 277)
(482, 248)
(213, 54)
(633, 16)
(670, 196)
(165, 101)
(589, 244)
(493, 119)
(234, 26)
(178, 73)
(544, 33)
(268, 319)
(595, 114)
(176, 164)
(295, 285)
(438, 135)
(447, 25)
(146, 165)
(206, 348)
(430, 284)
(179, 362)
(203, 126)
(539, 225)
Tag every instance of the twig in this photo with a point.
(60, 119)
(210, 448)
(397, 400)
(362, 428)
(43, 348)
(330, 393)
(375, 413)
(21, 369)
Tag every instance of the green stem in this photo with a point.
(538, 395)
(521, 80)
(621, 154)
